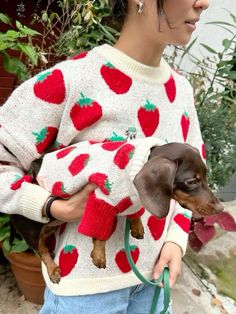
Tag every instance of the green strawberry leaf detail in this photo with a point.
(116, 138)
(84, 101)
(69, 248)
(108, 185)
(43, 76)
(149, 106)
(109, 65)
(41, 135)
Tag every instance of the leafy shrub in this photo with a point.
(17, 38)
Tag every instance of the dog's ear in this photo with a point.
(154, 183)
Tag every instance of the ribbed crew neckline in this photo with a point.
(133, 68)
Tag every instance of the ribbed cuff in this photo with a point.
(32, 201)
(98, 219)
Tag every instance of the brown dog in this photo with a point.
(173, 171)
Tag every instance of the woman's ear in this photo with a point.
(154, 184)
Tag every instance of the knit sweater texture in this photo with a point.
(119, 162)
(102, 96)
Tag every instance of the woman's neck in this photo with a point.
(139, 49)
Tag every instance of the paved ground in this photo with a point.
(191, 295)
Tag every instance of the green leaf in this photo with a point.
(232, 75)
(208, 48)
(26, 30)
(5, 19)
(15, 66)
(45, 16)
(226, 43)
(5, 45)
(106, 32)
(29, 51)
(19, 246)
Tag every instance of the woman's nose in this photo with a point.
(201, 4)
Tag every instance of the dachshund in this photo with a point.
(172, 171)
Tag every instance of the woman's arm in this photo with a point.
(29, 123)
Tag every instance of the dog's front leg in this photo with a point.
(98, 253)
(52, 268)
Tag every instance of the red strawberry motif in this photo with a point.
(92, 142)
(123, 155)
(79, 56)
(44, 138)
(19, 180)
(85, 112)
(203, 151)
(67, 259)
(59, 190)
(117, 81)
(138, 214)
(50, 87)
(185, 122)
(170, 88)
(156, 226)
(122, 261)
(101, 180)
(64, 152)
(123, 204)
(148, 117)
(78, 164)
(184, 221)
(110, 146)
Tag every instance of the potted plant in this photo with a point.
(25, 263)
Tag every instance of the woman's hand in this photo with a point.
(72, 208)
(171, 256)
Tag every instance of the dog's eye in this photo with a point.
(192, 181)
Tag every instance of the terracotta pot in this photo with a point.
(27, 270)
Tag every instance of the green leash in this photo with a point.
(154, 283)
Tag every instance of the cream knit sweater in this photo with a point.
(102, 95)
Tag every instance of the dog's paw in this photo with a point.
(55, 275)
(137, 230)
(138, 233)
(99, 260)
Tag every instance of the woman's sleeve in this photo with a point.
(29, 123)
(179, 226)
(181, 219)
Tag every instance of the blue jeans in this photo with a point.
(134, 300)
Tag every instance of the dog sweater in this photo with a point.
(75, 166)
(101, 95)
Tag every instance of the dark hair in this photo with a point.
(120, 8)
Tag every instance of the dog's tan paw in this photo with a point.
(137, 234)
(55, 275)
(137, 230)
(99, 260)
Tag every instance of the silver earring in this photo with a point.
(140, 7)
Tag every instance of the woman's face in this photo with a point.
(178, 24)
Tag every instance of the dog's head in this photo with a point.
(176, 171)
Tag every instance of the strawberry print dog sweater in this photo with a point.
(102, 96)
(75, 166)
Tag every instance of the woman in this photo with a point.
(109, 93)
